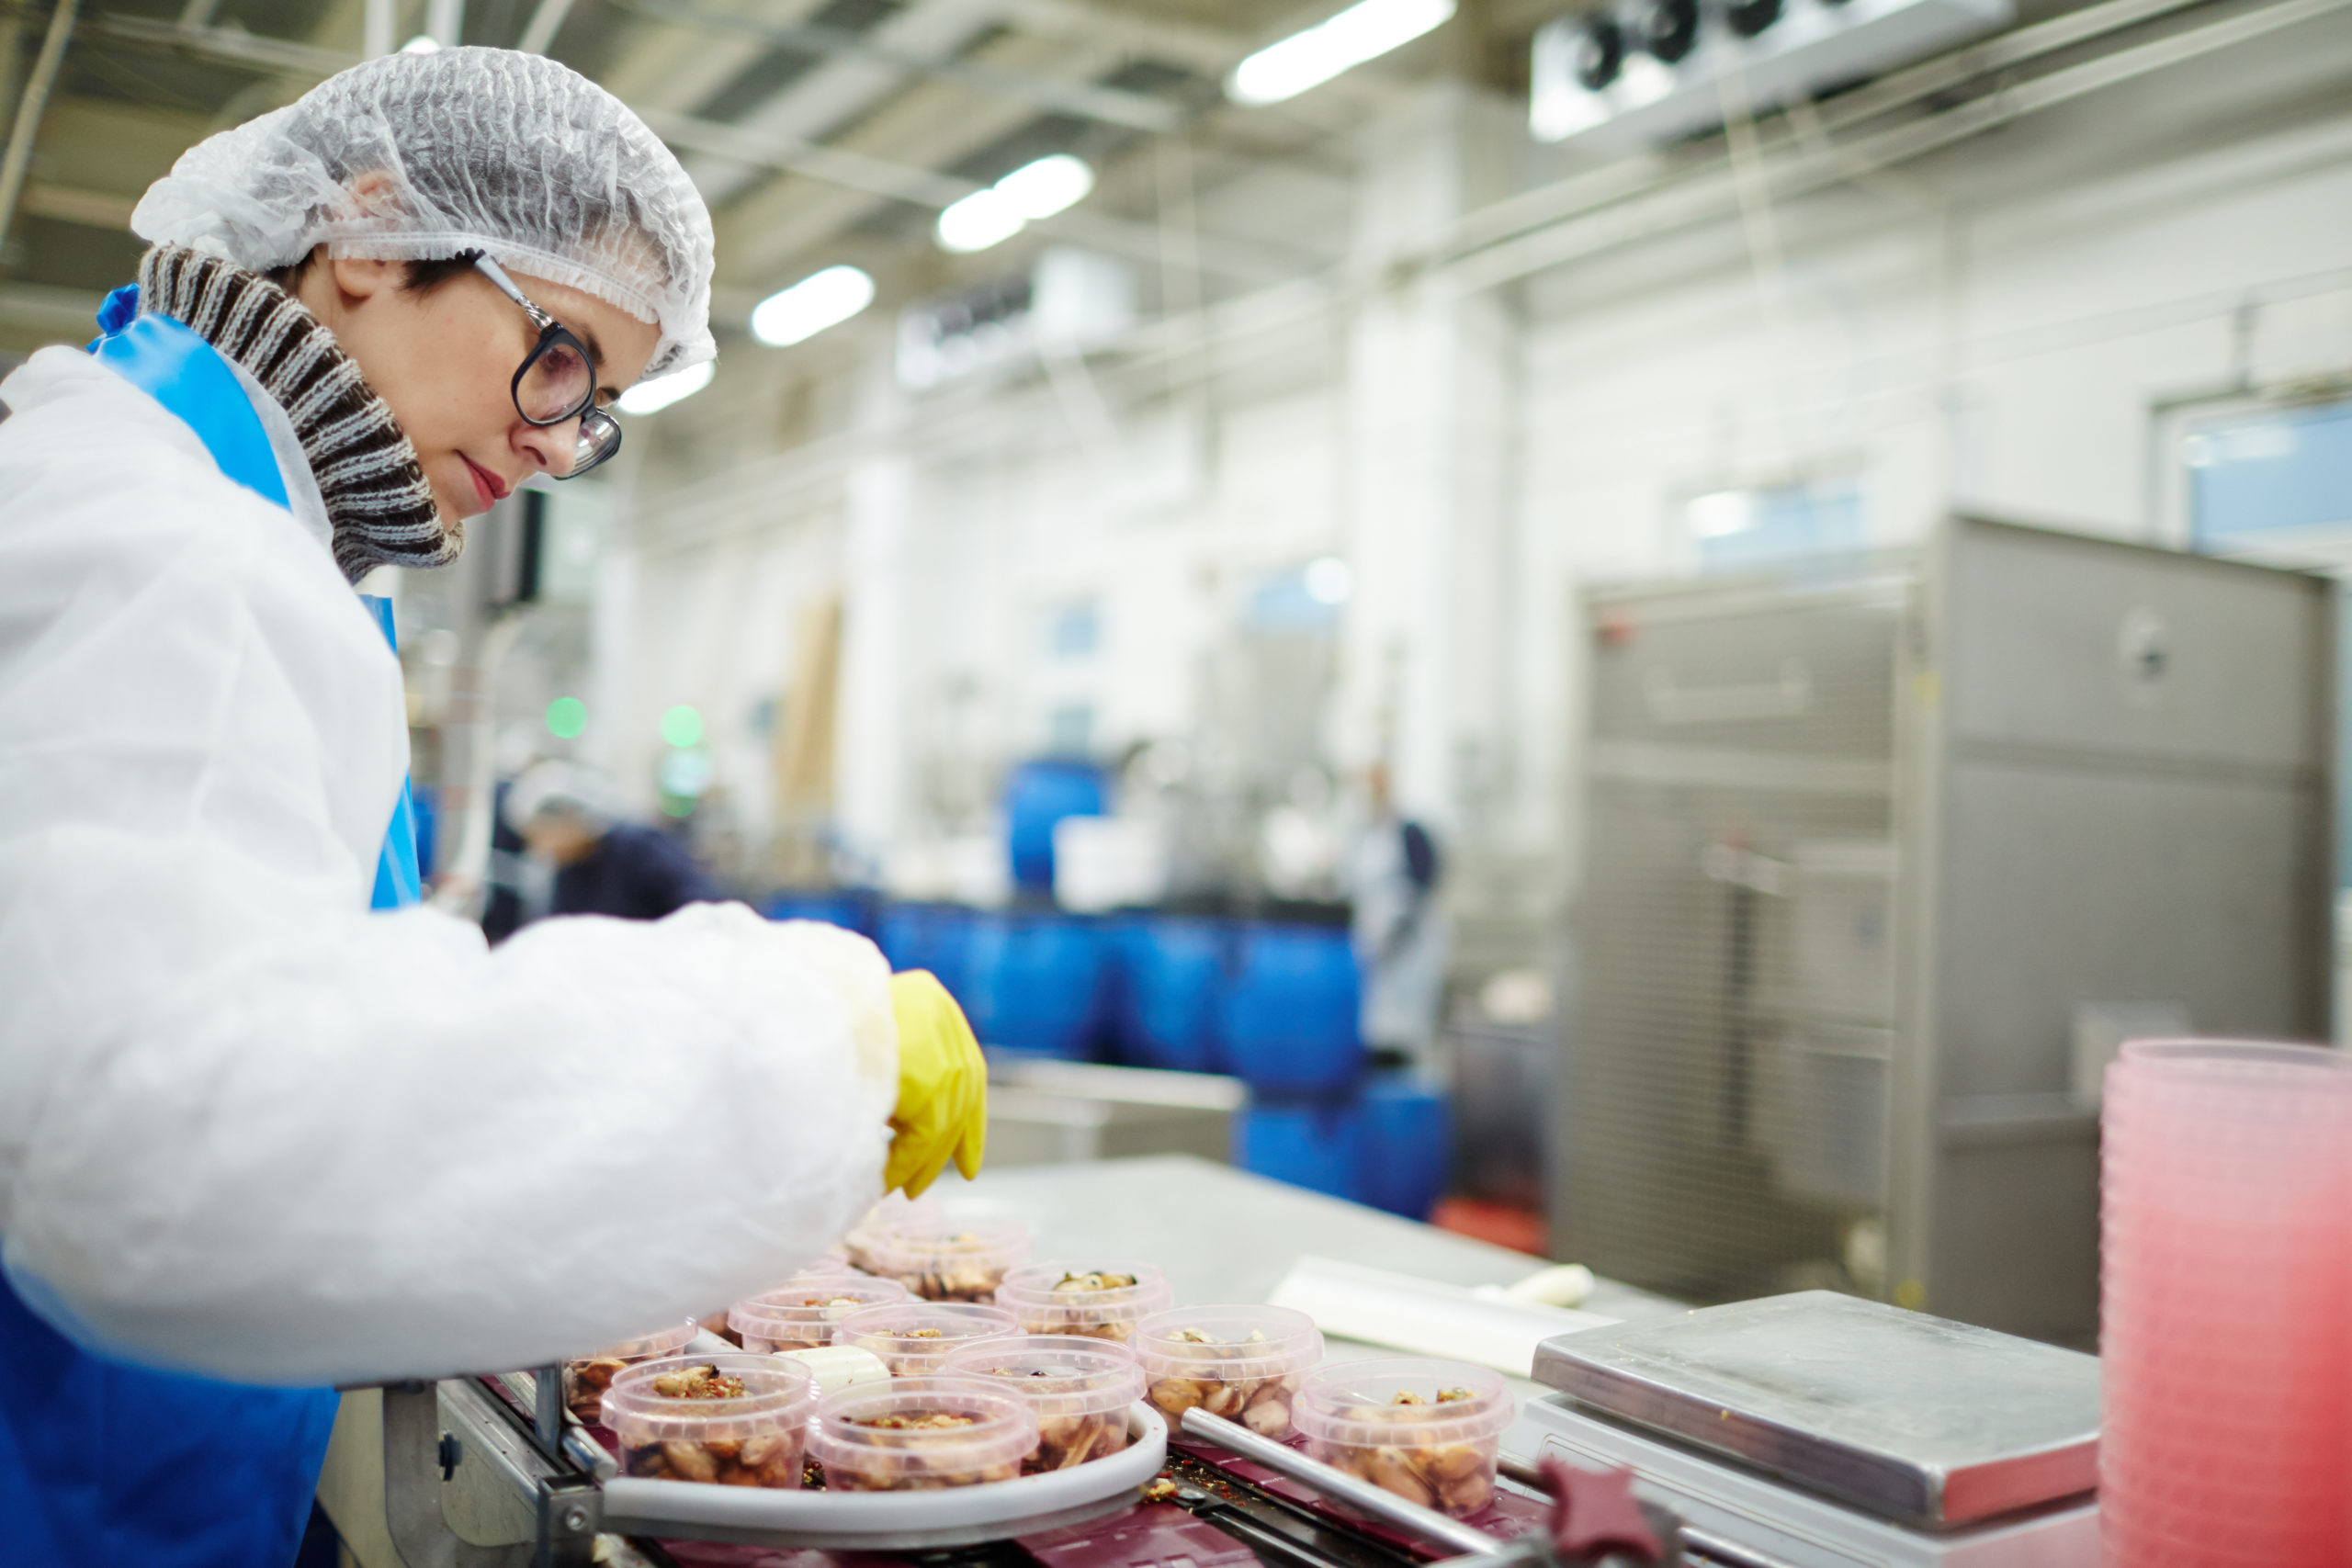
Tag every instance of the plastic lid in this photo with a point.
(1229, 1343)
(2220, 1057)
(1054, 1298)
(777, 1397)
(806, 1309)
(947, 1247)
(660, 1342)
(1000, 1429)
(1058, 1375)
(915, 1337)
(896, 1209)
(1358, 1403)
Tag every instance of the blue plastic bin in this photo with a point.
(1407, 1145)
(1037, 795)
(1317, 1145)
(937, 937)
(1169, 986)
(1289, 1013)
(840, 906)
(1035, 983)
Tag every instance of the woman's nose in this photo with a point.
(551, 446)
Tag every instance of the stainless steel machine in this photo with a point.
(1882, 863)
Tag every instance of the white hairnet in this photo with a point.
(560, 787)
(487, 148)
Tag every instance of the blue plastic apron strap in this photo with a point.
(187, 374)
(398, 881)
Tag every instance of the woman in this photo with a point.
(253, 1133)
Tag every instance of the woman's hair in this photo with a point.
(421, 277)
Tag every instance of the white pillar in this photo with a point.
(871, 767)
(1426, 455)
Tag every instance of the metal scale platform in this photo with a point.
(1817, 1430)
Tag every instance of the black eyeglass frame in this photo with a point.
(553, 331)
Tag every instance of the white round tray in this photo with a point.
(877, 1521)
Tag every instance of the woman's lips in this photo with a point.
(492, 489)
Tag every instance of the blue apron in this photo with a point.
(103, 1462)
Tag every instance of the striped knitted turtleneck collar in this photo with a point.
(376, 493)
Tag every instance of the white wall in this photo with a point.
(1989, 330)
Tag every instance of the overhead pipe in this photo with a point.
(30, 108)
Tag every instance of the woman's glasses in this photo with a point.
(558, 381)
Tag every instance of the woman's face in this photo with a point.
(444, 360)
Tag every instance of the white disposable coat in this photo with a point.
(248, 1128)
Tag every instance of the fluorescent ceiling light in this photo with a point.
(1720, 514)
(819, 301)
(1329, 580)
(1364, 32)
(652, 397)
(982, 219)
(1046, 186)
(1037, 189)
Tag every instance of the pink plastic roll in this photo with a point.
(2225, 1325)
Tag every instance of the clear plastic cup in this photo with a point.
(1241, 1362)
(585, 1380)
(895, 1210)
(920, 1434)
(1427, 1430)
(744, 1425)
(1098, 1298)
(913, 1339)
(2225, 1349)
(804, 1311)
(1078, 1388)
(949, 1259)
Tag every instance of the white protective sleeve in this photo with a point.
(248, 1128)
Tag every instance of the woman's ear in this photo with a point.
(373, 194)
(364, 277)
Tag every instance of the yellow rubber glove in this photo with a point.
(943, 1086)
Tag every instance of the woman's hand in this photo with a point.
(943, 1086)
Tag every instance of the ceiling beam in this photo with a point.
(667, 66)
(233, 44)
(69, 203)
(1139, 111)
(1211, 51)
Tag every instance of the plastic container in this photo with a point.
(846, 908)
(1241, 1362)
(1034, 982)
(936, 937)
(913, 1339)
(1092, 1297)
(585, 1380)
(755, 1437)
(1079, 1390)
(893, 1212)
(1317, 1145)
(921, 1435)
(947, 1260)
(1171, 986)
(1290, 1010)
(1037, 795)
(1407, 1145)
(2225, 1265)
(804, 1311)
(1429, 1431)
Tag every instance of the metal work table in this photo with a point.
(1225, 1236)
(1220, 1233)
